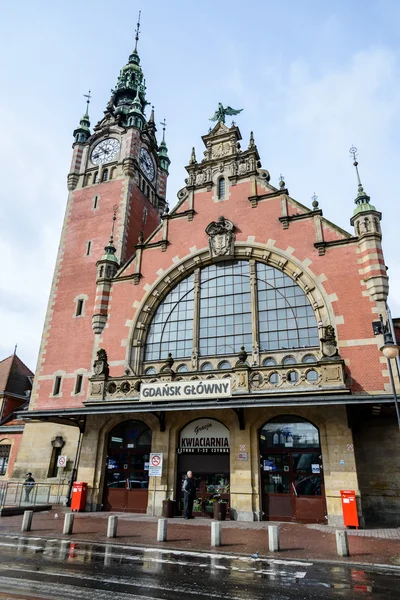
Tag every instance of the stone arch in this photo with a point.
(271, 256)
(102, 429)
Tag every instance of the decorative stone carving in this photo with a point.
(329, 344)
(100, 365)
(200, 178)
(221, 149)
(221, 237)
(242, 356)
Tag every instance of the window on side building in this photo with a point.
(5, 451)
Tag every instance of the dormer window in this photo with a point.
(221, 188)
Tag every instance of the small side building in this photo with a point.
(15, 390)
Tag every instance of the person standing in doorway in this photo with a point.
(28, 485)
(189, 494)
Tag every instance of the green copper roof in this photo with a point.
(362, 201)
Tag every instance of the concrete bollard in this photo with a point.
(342, 543)
(216, 533)
(27, 520)
(112, 527)
(273, 538)
(68, 523)
(162, 530)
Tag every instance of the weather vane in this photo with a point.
(221, 113)
(353, 152)
(88, 96)
(115, 209)
(164, 125)
(137, 31)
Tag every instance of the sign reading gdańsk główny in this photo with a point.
(186, 390)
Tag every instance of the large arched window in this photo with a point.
(171, 329)
(220, 322)
(285, 316)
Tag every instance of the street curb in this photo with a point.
(272, 556)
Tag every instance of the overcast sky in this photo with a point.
(313, 78)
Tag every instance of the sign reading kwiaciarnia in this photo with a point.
(186, 390)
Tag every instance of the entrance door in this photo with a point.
(127, 468)
(212, 477)
(292, 472)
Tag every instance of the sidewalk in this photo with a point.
(302, 542)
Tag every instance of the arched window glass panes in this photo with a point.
(221, 188)
(309, 358)
(224, 365)
(286, 319)
(285, 316)
(129, 434)
(206, 366)
(150, 371)
(182, 369)
(288, 431)
(171, 329)
(225, 308)
(269, 362)
(289, 360)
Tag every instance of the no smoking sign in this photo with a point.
(155, 466)
(62, 461)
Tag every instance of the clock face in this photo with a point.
(105, 151)
(146, 164)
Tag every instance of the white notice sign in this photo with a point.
(62, 461)
(185, 390)
(155, 464)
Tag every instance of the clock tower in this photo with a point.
(117, 178)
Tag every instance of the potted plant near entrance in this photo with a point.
(219, 508)
(168, 508)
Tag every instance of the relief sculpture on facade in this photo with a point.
(221, 237)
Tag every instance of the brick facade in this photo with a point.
(343, 276)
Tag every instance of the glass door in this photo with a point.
(292, 484)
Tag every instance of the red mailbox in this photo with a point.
(78, 501)
(349, 508)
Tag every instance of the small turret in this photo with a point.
(107, 267)
(163, 151)
(82, 133)
(366, 222)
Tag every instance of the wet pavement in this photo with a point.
(53, 569)
(304, 542)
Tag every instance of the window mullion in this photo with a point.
(254, 313)
(196, 319)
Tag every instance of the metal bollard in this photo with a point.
(68, 523)
(342, 543)
(216, 533)
(273, 538)
(27, 520)
(112, 527)
(162, 530)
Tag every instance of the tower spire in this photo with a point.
(362, 200)
(137, 31)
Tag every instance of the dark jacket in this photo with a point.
(189, 486)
